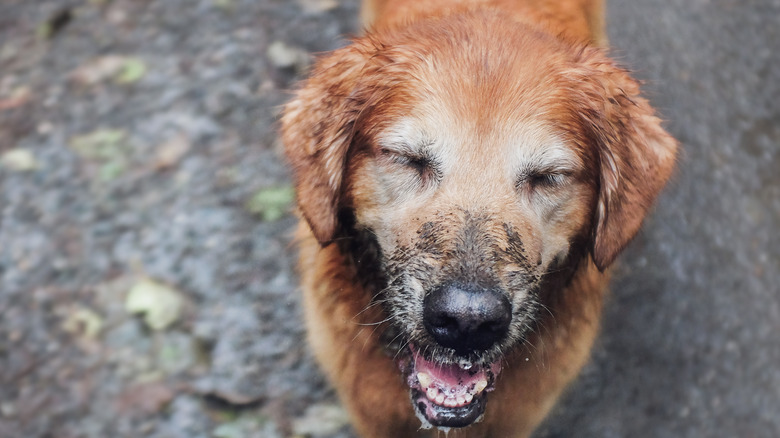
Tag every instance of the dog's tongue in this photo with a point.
(455, 379)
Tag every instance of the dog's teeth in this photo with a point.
(424, 379)
(439, 399)
(468, 397)
(461, 400)
(432, 393)
(450, 402)
(481, 385)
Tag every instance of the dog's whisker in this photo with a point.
(372, 324)
(403, 347)
(357, 334)
(389, 343)
(369, 306)
(368, 338)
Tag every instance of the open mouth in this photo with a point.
(448, 395)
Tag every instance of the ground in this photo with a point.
(146, 271)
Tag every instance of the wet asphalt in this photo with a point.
(690, 344)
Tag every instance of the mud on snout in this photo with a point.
(459, 297)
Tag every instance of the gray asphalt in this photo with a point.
(690, 344)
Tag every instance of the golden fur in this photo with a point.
(498, 117)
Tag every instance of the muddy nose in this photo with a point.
(466, 318)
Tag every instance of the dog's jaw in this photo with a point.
(446, 395)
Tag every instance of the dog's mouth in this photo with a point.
(448, 394)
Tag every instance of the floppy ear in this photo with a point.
(317, 130)
(636, 154)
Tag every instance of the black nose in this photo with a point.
(465, 318)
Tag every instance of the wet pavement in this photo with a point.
(690, 345)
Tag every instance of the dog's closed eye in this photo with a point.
(421, 163)
(541, 179)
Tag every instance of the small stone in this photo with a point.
(283, 56)
(172, 151)
(7, 409)
(18, 159)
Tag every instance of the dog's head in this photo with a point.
(487, 161)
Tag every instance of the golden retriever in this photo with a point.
(466, 172)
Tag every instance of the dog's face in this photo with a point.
(487, 161)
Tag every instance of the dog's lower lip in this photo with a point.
(444, 416)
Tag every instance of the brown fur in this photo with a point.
(480, 86)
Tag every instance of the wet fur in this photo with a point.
(393, 144)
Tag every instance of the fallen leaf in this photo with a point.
(315, 6)
(145, 398)
(160, 304)
(122, 69)
(18, 159)
(17, 98)
(83, 322)
(100, 144)
(170, 152)
(98, 70)
(271, 203)
(132, 70)
(106, 146)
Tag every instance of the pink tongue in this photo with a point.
(451, 376)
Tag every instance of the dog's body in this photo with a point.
(466, 173)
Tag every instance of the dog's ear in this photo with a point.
(317, 130)
(636, 154)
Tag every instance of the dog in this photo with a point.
(466, 173)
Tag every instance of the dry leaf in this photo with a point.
(98, 70)
(21, 160)
(316, 6)
(161, 305)
(271, 203)
(18, 97)
(83, 322)
(145, 398)
(172, 151)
